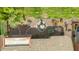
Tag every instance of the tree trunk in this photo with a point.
(24, 17)
(7, 27)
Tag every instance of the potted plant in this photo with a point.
(1, 35)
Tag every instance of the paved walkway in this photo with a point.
(54, 43)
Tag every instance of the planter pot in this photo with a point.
(76, 47)
(1, 41)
